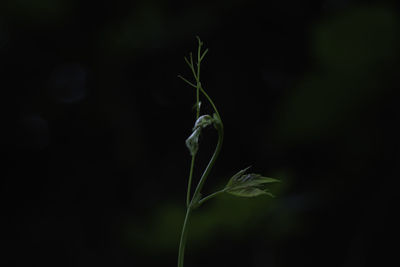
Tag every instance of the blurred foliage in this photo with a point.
(357, 40)
(37, 13)
(221, 217)
(353, 50)
(322, 105)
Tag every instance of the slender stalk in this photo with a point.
(217, 150)
(212, 104)
(250, 181)
(211, 196)
(210, 165)
(182, 243)
(189, 188)
(198, 86)
(194, 201)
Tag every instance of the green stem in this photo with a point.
(189, 188)
(213, 105)
(182, 243)
(198, 84)
(200, 185)
(217, 149)
(197, 99)
(196, 195)
(210, 165)
(211, 196)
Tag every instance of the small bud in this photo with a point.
(203, 122)
(192, 142)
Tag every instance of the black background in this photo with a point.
(95, 119)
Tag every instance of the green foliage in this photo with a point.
(241, 184)
(249, 185)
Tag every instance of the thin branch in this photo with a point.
(212, 104)
(203, 55)
(189, 188)
(185, 80)
(210, 164)
(187, 61)
(192, 66)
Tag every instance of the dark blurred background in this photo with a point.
(95, 119)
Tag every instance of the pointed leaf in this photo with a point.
(249, 185)
(249, 192)
(237, 176)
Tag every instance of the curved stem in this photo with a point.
(212, 104)
(210, 164)
(217, 149)
(189, 188)
(198, 86)
(182, 243)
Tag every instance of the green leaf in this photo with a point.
(249, 185)
(236, 177)
(249, 192)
